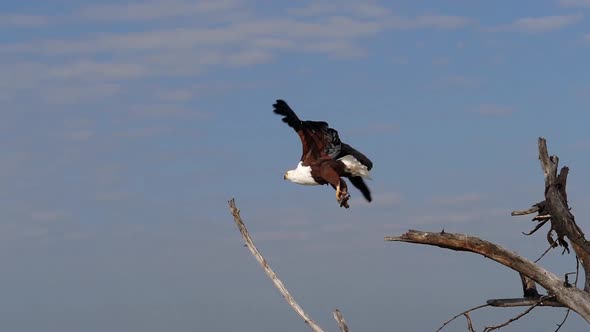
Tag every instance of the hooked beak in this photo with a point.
(285, 176)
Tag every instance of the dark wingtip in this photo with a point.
(281, 107)
(279, 103)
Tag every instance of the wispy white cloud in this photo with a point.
(341, 227)
(23, 20)
(80, 135)
(457, 81)
(90, 70)
(441, 61)
(456, 217)
(575, 3)
(539, 24)
(400, 60)
(435, 21)
(336, 48)
(177, 95)
(374, 128)
(458, 199)
(192, 47)
(166, 109)
(281, 235)
(493, 110)
(48, 215)
(141, 132)
(76, 93)
(114, 196)
(318, 8)
(379, 200)
(154, 9)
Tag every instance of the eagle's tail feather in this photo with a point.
(282, 108)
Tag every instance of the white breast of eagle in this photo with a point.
(302, 174)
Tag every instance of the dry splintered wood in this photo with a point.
(562, 220)
(571, 297)
(340, 320)
(275, 279)
(556, 210)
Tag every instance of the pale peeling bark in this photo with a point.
(570, 297)
(562, 220)
(340, 320)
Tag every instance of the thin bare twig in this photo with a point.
(567, 313)
(551, 246)
(464, 313)
(271, 274)
(469, 322)
(499, 326)
(340, 320)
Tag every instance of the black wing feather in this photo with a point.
(349, 150)
(290, 118)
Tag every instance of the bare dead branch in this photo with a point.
(567, 313)
(573, 298)
(551, 246)
(539, 225)
(340, 320)
(549, 164)
(525, 302)
(464, 313)
(469, 322)
(271, 274)
(513, 319)
(542, 217)
(533, 209)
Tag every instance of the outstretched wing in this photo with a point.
(349, 150)
(318, 140)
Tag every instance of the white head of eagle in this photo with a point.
(325, 159)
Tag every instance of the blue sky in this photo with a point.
(126, 127)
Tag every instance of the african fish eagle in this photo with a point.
(325, 159)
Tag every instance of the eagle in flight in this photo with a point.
(325, 159)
